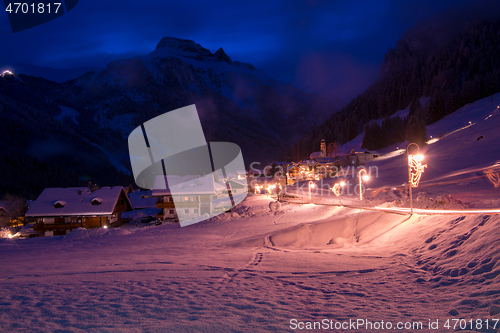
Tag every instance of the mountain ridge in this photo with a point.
(236, 103)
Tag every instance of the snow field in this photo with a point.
(253, 272)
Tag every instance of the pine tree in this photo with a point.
(414, 106)
(415, 129)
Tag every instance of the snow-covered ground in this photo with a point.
(305, 265)
(68, 113)
(254, 271)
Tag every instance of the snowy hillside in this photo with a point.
(52, 74)
(462, 158)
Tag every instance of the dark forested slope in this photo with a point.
(453, 72)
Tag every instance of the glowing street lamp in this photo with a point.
(365, 178)
(336, 190)
(415, 169)
(311, 185)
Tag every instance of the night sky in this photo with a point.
(330, 47)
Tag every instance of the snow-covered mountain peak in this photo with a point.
(220, 55)
(188, 48)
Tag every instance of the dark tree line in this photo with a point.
(396, 129)
(458, 72)
(38, 151)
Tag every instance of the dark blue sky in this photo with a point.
(331, 47)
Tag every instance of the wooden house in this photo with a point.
(58, 211)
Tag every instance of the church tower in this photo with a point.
(323, 147)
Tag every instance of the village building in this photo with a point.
(324, 165)
(191, 194)
(58, 211)
(185, 197)
(239, 174)
(360, 158)
(321, 153)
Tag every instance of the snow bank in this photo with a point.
(82, 233)
(424, 201)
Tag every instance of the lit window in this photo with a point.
(186, 198)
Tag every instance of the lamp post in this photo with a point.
(336, 190)
(365, 178)
(415, 169)
(311, 184)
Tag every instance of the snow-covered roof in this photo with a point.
(2, 206)
(184, 185)
(142, 199)
(364, 152)
(307, 162)
(75, 201)
(327, 160)
(317, 154)
(220, 187)
(237, 182)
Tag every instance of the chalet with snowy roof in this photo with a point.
(57, 211)
(192, 194)
(327, 167)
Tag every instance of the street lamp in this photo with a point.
(311, 185)
(365, 178)
(415, 169)
(336, 190)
